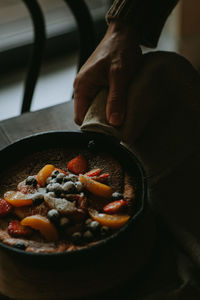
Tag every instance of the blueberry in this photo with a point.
(105, 231)
(79, 186)
(54, 173)
(64, 222)
(94, 226)
(73, 177)
(88, 236)
(77, 238)
(92, 145)
(66, 178)
(20, 245)
(57, 189)
(37, 198)
(53, 215)
(69, 187)
(49, 188)
(117, 196)
(53, 181)
(31, 180)
(60, 177)
(88, 221)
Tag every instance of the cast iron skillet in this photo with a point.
(31, 144)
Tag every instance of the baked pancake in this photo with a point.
(64, 199)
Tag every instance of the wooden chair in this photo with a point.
(86, 37)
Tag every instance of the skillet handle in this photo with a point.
(95, 119)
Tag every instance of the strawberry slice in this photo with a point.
(78, 165)
(102, 178)
(5, 207)
(115, 206)
(15, 229)
(94, 172)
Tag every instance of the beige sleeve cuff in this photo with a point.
(147, 16)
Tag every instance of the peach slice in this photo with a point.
(44, 173)
(18, 199)
(95, 187)
(46, 228)
(112, 221)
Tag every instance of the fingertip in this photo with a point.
(77, 121)
(116, 118)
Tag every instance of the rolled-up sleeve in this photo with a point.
(147, 16)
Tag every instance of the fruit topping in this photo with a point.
(55, 173)
(20, 245)
(78, 227)
(5, 208)
(94, 172)
(62, 171)
(95, 187)
(73, 177)
(94, 226)
(77, 238)
(31, 180)
(60, 177)
(69, 187)
(105, 231)
(79, 186)
(26, 189)
(55, 187)
(112, 221)
(115, 206)
(88, 221)
(16, 229)
(77, 165)
(46, 228)
(101, 178)
(37, 198)
(117, 196)
(44, 173)
(53, 215)
(18, 199)
(88, 236)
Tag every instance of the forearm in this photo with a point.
(146, 16)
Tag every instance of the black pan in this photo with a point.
(29, 145)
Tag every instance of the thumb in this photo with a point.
(116, 102)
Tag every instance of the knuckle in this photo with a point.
(117, 67)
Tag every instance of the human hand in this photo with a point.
(112, 65)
